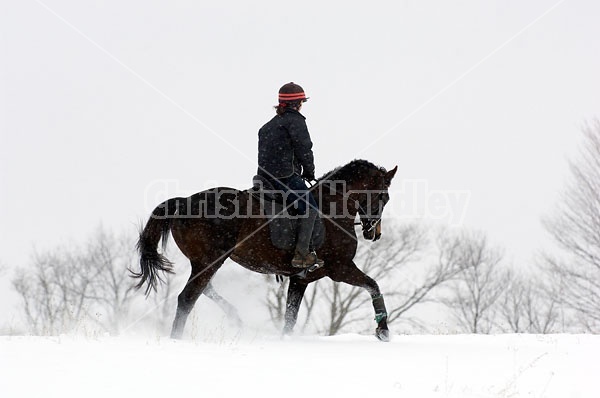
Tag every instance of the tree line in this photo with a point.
(455, 273)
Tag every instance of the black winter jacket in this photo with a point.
(284, 146)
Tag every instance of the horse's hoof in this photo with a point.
(382, 334)
(287, 331)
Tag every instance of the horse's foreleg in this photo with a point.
(382, 332)
(294, 299)
(355, 277)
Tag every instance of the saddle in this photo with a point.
(283, 220)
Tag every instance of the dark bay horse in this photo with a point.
(222, 223)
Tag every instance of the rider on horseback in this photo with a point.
(285, 158)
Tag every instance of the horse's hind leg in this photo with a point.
(202, 272)
(294, 299)
(211, 293)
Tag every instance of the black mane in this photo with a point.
(354, 171)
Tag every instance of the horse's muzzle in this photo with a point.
(377, 232)
(373, 231)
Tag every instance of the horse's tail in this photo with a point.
(151, 261)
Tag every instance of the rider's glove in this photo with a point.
(308, 175)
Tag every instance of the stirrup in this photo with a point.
(318, 262)
(310, 260)
(315, 266)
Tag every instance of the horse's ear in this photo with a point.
(390, 174)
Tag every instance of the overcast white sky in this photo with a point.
(486, 97)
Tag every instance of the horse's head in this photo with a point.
(372, 200)
(365, 192)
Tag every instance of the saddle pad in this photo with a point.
(283, 225)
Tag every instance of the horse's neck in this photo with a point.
(327, 195)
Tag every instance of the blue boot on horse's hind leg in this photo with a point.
(304, 257)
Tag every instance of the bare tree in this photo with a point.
(108, 257)
(480, 284)
(529, 306)
(45, 290)
(69, 288)
(446, 266)
(512, 306)
(543, 310)
(576, 228)
(276, 299)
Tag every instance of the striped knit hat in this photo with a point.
(291, 92)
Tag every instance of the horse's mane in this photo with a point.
(351, 172)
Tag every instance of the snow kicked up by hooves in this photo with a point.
(347, 365)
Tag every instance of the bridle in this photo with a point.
(369, 224)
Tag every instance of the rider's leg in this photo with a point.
(304, 257)
(307, 211)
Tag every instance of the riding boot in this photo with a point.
(304, 256)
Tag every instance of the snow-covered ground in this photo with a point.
(342, 366)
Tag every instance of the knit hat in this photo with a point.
(291, 92)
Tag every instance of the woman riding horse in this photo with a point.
(222, 223)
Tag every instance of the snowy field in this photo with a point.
(346, 366)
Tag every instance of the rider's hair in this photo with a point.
(280, 109)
